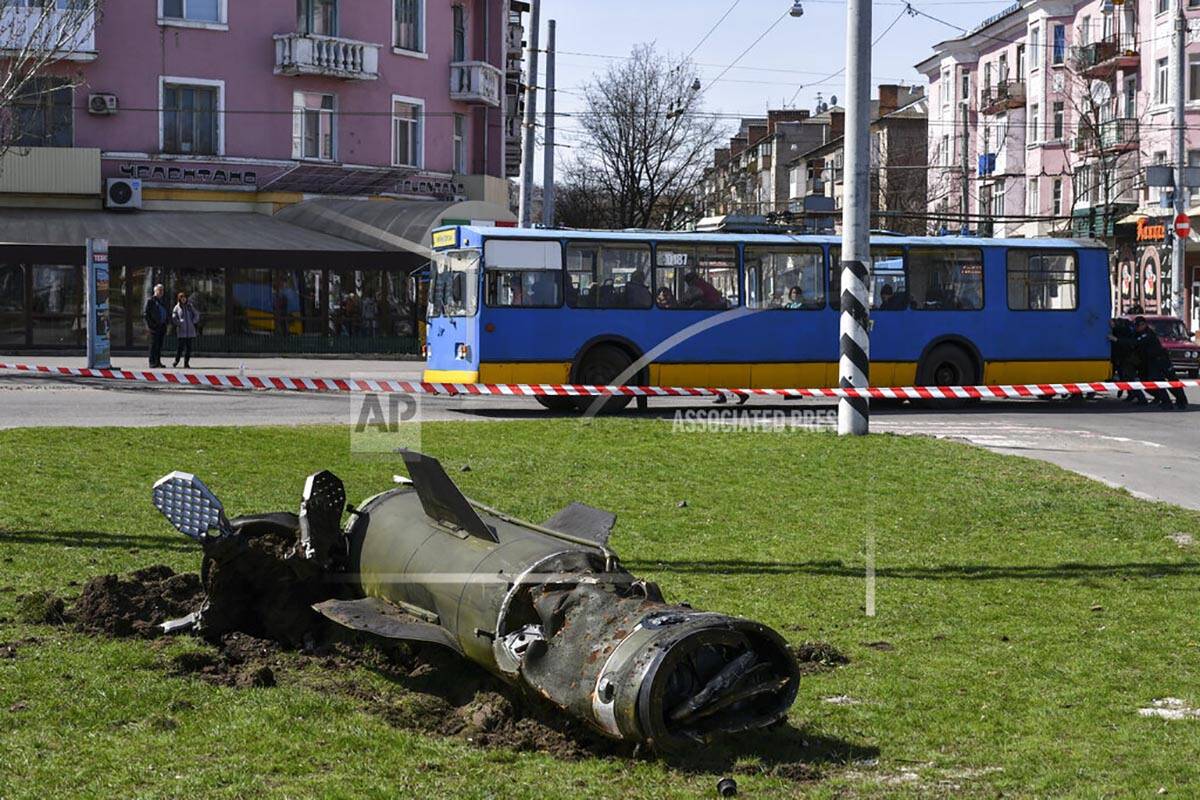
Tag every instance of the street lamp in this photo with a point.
(797, 9)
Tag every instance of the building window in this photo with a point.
(409, 25)
(947, 90)
(966, 85)
(1020, 62)
(43, 115)
(211, 11)
(1032, 198)
(1161, 81)
(1058, 119)
(1193, 161)
(460, 33)
(1085, 30)
(946, 150)
(987, 77)
(460, 144)
(1035, 48)
(318, 17)
(1059, 53)
(407, 145)
(998, 198)
(191, 118)
(1035, 124)
(1042, 281)
(1056, 197)
(313, 128)
(1162, 6)
(1193, 77)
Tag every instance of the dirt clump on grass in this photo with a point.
(818, 656)
(41, 608)
(136, 604)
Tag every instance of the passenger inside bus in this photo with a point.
(637, 294)
(699, 293)
(665, 298)
(795, 298)
(890, 300)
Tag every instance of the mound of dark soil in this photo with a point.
(134, 605)
(815, 656)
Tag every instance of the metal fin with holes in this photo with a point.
(191, 507)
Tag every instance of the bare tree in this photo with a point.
(36, 36)
(1105, 161)
(642, 145)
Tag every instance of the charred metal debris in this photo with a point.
(547, 608)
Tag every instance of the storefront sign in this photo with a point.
(195, 175)
(96, 288)
(447, 237)
(1147, 232)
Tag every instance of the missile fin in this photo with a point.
(381, 618)
(441, 499)
(584, 521)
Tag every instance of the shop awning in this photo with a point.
(1132, 218)
(166, 229)
(402, 225)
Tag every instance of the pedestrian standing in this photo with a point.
(156, 316)
(1156, 364)
(187, 323)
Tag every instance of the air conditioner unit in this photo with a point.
(102, 105)
(124, 194)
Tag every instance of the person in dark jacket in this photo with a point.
(156, 316)
(1155, 363)
(1124, 357)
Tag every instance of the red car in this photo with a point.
(1177, 339)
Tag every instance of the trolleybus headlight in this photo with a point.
(424, 351)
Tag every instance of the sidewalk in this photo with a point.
(284, 367)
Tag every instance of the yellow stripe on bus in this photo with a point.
(813, 374)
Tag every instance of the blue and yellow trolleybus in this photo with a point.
(509, 305)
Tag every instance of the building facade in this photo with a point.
(212, 106)
(898, 160)
(1044, 119)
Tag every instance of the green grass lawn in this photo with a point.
(1028, 614)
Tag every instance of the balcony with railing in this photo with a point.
(69, 32)
(1003, 96)
(1111, 136)
(1104, 57)
(328, 56)
(475, 82)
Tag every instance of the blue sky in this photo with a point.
(797, 50)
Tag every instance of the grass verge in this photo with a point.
(1025, 614)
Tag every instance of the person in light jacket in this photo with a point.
(187, 323)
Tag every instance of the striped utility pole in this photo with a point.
(855, 344)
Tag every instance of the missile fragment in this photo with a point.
(548, 608)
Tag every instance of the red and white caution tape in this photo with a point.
(279, 383)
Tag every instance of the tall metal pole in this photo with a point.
(528, 133)
(1177, 250)
(548, 148)
(965, 165)
(855, 346)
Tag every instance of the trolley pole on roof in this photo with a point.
(855, 347)
(529, 131)
(548, 147)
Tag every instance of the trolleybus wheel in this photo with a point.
(600, 367)
(946, 365)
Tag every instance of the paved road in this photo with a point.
(1153, 454)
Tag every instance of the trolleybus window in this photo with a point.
(785, 277)
(945, 278)
(1038, 280)
(453, 285)
(888, 289)
(522, 273)
(699, 277)
(602, 275)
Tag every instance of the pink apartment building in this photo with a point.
(1044, 119)
(229, 148)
